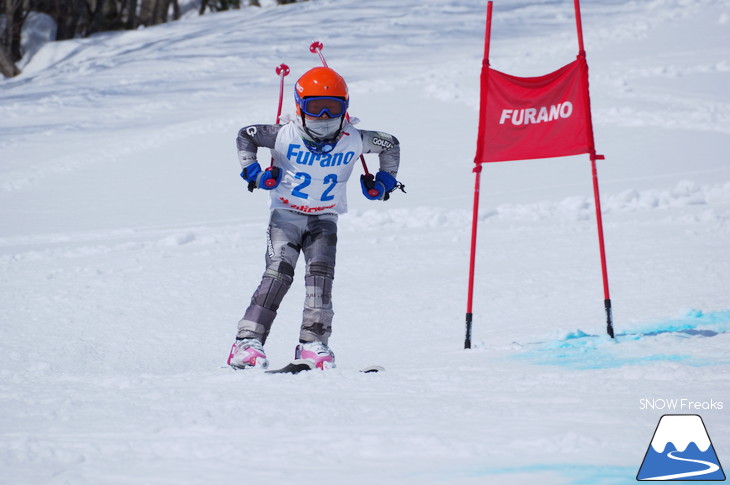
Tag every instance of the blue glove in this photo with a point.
(261, 179)
(378, 187)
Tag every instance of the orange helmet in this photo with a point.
(320, 82)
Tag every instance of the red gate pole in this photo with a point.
(596, 195)
(472, 257)
(477, 180)
(602, 247)
(579, 28)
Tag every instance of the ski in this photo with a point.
(294, 367)
(303, 365)
(371, 369)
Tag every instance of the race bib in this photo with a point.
(314, 183)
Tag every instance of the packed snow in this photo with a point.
(129, 249)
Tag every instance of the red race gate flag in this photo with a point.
(534, 117)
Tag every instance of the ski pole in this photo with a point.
(316, 48)
(282, 70)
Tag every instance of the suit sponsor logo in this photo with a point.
(305, 208)
(383, 143)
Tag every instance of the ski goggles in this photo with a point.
(319, 105)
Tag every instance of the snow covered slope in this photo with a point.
(129, 248)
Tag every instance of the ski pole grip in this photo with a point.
(274, 173)
(282, 68)
(316, 47)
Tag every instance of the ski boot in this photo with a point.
(316, 352)
(247, 353)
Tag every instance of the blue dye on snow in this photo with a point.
(582, 350)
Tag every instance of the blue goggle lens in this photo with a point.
(317, 106)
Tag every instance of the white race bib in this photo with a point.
(311, 183)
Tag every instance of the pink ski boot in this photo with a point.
(317, 353)
(247, 353)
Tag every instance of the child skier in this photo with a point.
(313, 158)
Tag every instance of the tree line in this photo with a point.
(82, 18)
